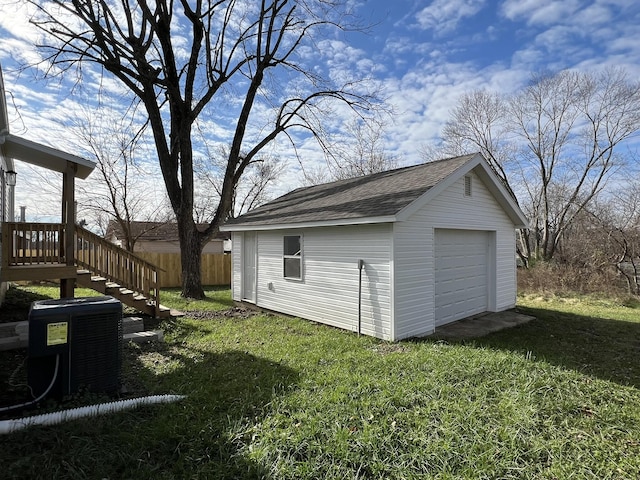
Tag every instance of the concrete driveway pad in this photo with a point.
(481, 325)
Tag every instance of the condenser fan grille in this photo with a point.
(95, 358)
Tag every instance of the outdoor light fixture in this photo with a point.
(10, 177)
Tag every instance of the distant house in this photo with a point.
(161, 237)
(393, 254)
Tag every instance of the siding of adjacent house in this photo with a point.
(167, 246)
(3, 207)
(414, 253)
(328, 292)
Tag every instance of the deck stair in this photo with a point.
(129, 297)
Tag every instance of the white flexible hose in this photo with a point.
(9, 426)
(33, 402)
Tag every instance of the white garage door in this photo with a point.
(461, 274)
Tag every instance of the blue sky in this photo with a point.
(424, 55)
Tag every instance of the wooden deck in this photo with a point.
(38, 251)
(35, 273)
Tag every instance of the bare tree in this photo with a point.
(555, 143)
(182, 58)
(617, 220)
(363, 151)
(479, 123)
(253, 189)
(120, 194)
(316, 174)
(357, 151)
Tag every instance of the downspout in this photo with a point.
(11, 203)
(360, 266)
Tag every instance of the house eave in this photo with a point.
(243, 227)
(34, 153)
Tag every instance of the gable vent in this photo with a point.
(467, 186)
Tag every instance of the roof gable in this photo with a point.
(480, 166)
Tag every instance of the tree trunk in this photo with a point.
(190, 257)
(523, 247)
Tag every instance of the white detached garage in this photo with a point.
(393, 254)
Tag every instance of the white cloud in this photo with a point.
(593, 15)
(14, 18)
(445, 15)
(540, 12)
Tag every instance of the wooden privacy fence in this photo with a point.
(215, 270)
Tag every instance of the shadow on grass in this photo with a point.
(206, 435)
(15, 307)
(604, 348)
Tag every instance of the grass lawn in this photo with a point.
(281, 398)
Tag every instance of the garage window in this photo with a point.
(292, 258)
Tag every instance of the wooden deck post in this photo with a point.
(67, 285)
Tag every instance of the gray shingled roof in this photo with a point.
(377, 195)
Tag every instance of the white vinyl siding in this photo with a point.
(236, 265)
(249, 266)
(328, 292)
(414, 292)
(413, 277)
(3, 218)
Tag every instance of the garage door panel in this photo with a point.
(457, 275)
(476, 295)
(461, 274)
(463, 287)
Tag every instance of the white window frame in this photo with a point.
(297, 256)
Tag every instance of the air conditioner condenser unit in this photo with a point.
(83, 337)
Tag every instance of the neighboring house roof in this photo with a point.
(381, 197)
(155, 231)
(17, 148)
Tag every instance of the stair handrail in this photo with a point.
(117, 265)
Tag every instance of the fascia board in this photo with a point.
(326, 223)
(503, 197)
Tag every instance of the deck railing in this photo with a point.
(26, 244)
(42, 244)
